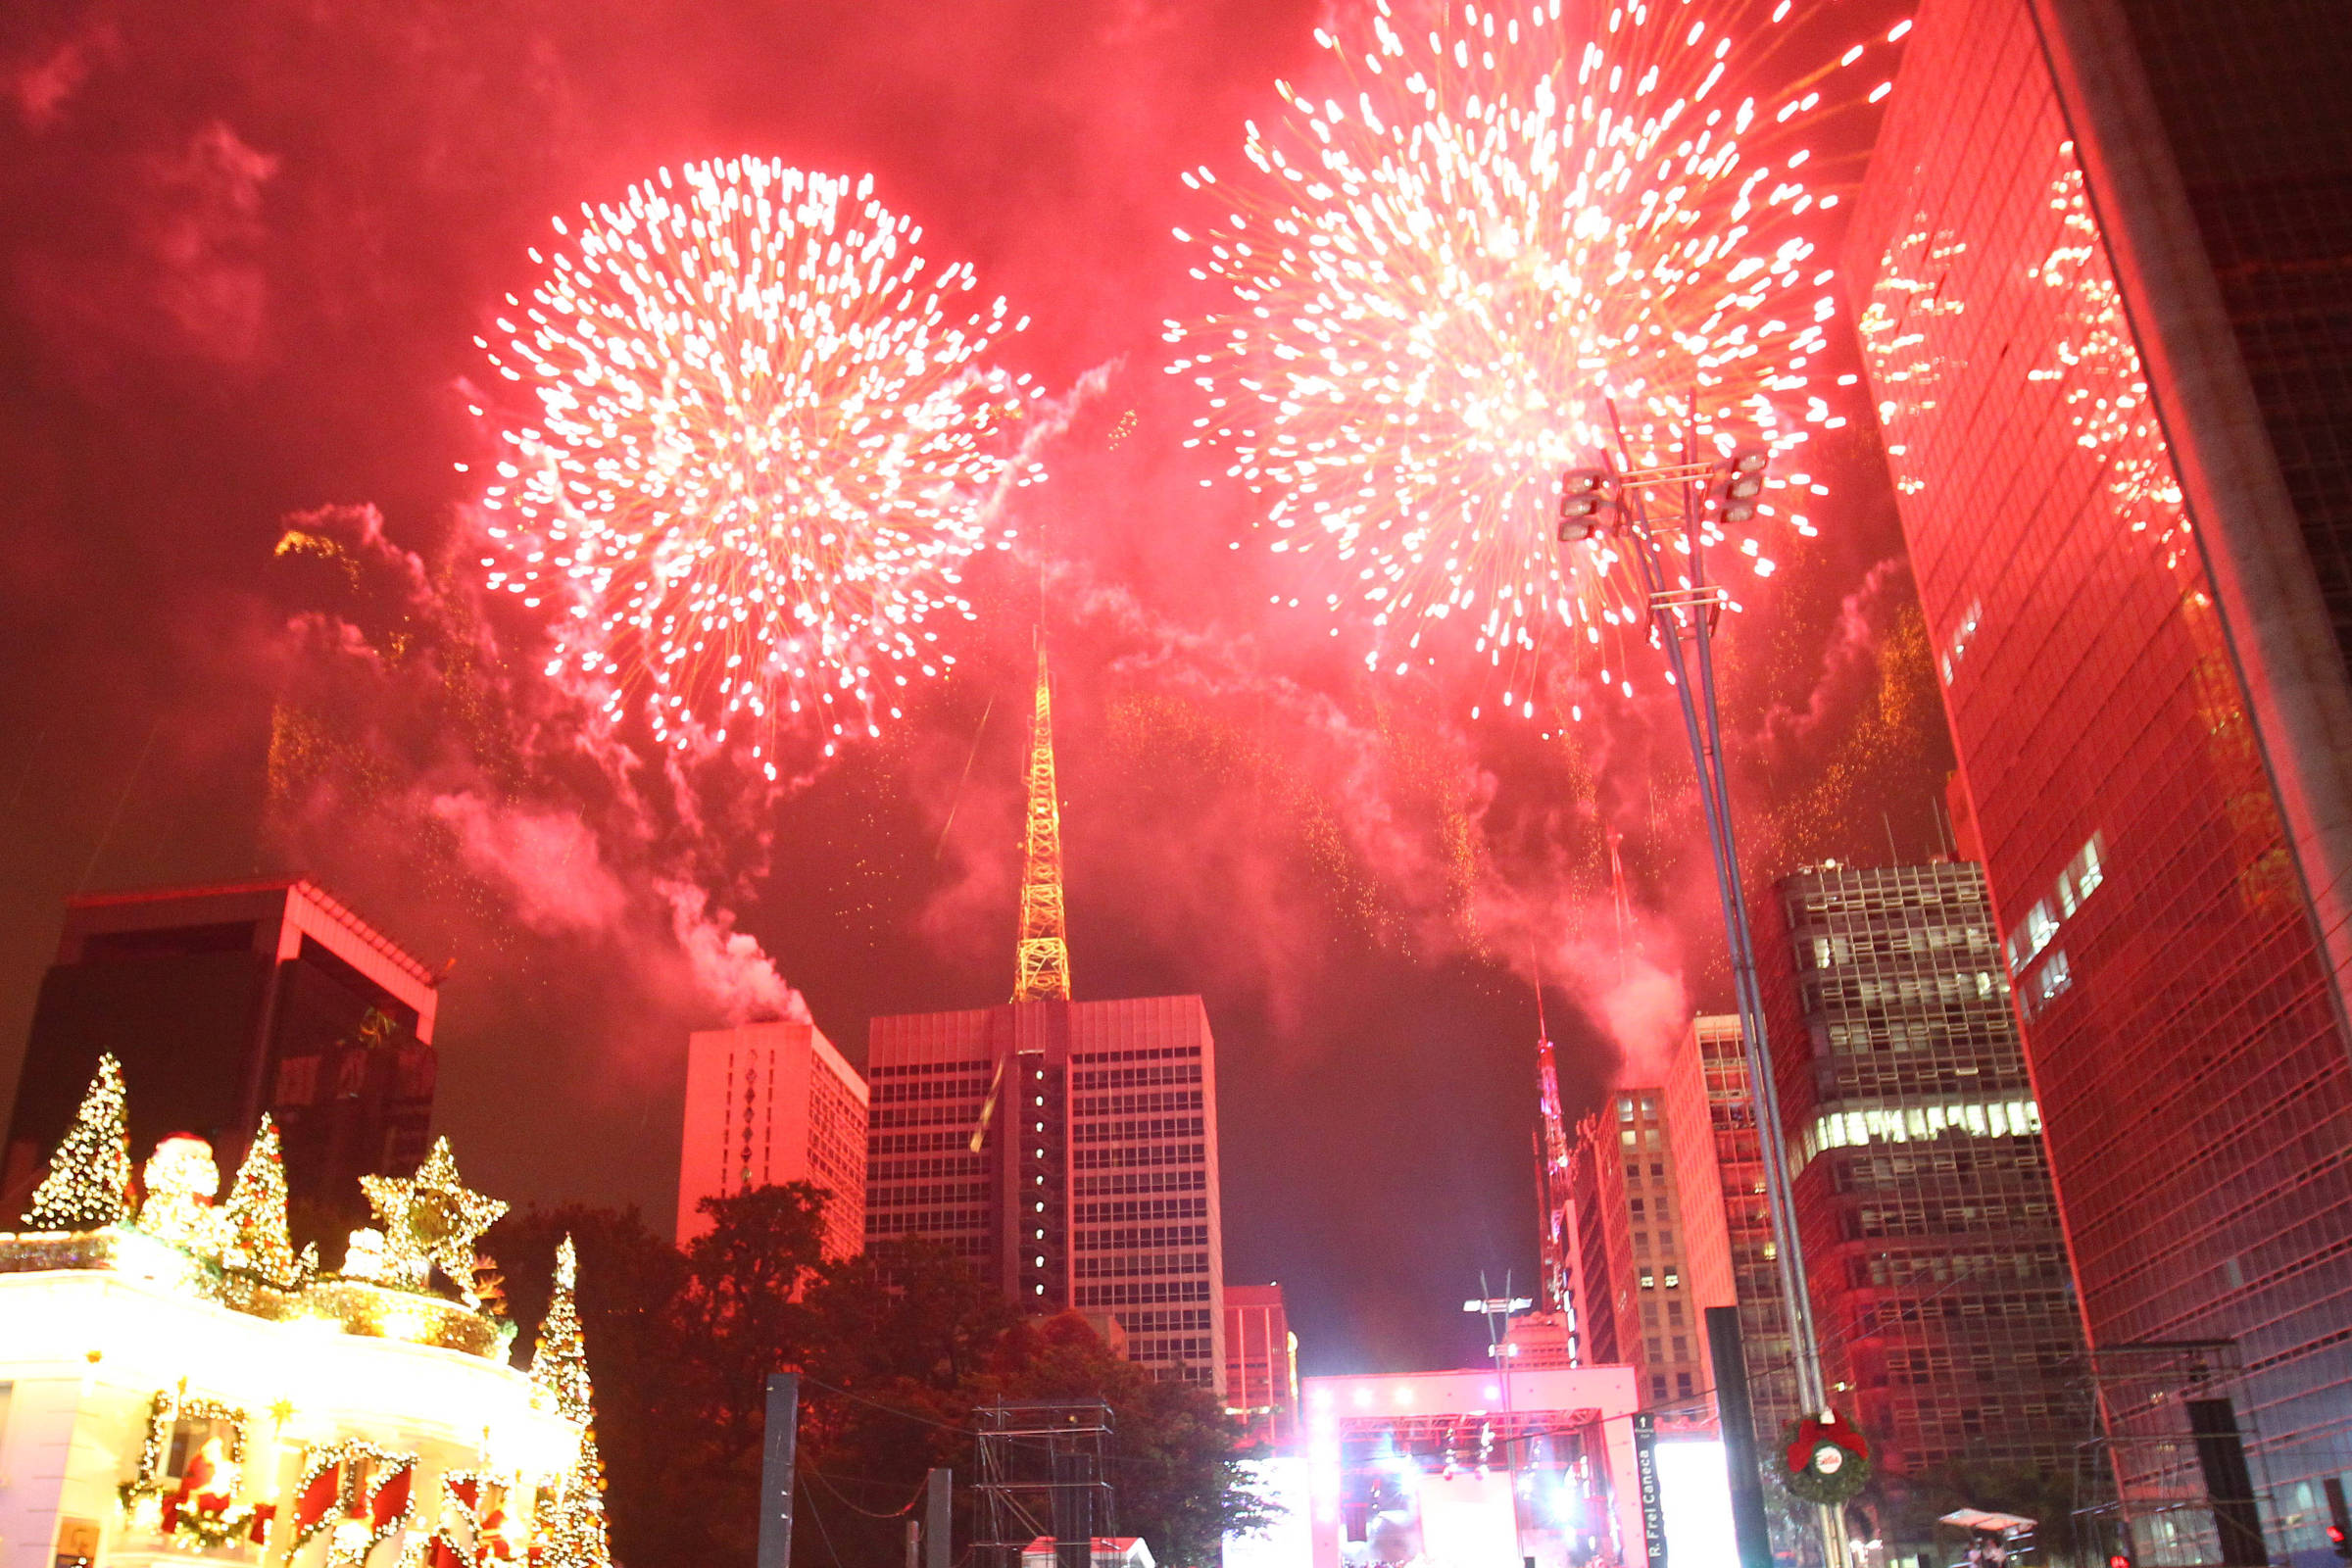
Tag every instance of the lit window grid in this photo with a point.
(1902, 1018)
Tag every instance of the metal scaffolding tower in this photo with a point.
(2165, 1478)
(1043, 1471)
(1043, 968)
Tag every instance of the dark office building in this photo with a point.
(2102, 264)
(1930, 1233)
(1093, 1185)
(224, 1003)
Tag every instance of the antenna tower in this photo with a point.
(1043, 961)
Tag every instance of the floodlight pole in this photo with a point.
(1670, 558)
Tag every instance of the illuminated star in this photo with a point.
(431, 1218)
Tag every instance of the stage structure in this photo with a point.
(1480, 1466)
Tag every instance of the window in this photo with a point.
(1657, 1386)
(1673, 1312)
(1648, 1279)
(1682, 1385)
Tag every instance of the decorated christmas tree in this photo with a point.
(258, 1239)
(571, 1522)
(88, 1185)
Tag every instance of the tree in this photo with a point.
(88, 1185)
(256, 1212)
(574, 1525)
(741, 1318)
(897, 1336)
(628, 1281)
(1911, 1505)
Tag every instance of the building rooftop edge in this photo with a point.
(335, 909)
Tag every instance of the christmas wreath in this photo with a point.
(1825, 1460)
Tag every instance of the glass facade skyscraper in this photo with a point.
(2099, 263)
(1930, 1233)
(226, 1002)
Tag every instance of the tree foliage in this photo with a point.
(1909, 1507)
(895, 1347)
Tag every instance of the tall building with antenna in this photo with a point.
(1066, 1149)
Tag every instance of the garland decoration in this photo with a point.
(357, 1494)
(1825, 1460)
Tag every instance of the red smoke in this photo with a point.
(244, 252)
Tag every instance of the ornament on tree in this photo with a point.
(180, 1179)
(256, 1215)
(571, 1521)
(1824, 1459)
(88, 1185)
(430, 1218)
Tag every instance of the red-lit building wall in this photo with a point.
(1261, 1365)
(768, 1103)
(2182, 1033)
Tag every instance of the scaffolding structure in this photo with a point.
(2168, 1478)
(1044, 1473)
(1043, 960)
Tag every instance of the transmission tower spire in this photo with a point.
(1044, 956)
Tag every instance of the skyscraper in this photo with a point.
(1632, 1285)
(2102, 261)
(222, 1002)
(768, 1103)
(1067, 1149)
(1711, 1126)
(1923, 1203)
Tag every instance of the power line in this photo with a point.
(904, 1415)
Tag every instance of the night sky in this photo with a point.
(245, 249)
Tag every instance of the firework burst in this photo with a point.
(1446, 274)
(766, 443)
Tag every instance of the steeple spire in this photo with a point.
(1044, 961)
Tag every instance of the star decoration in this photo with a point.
(430, 1218)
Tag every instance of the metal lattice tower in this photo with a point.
(1552, 1160)
(1043, 967)
(1044, 1473)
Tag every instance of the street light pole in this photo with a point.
(1669, 555)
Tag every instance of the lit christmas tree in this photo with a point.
(571, 1522)
(258, 1239)
(88, 1185)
